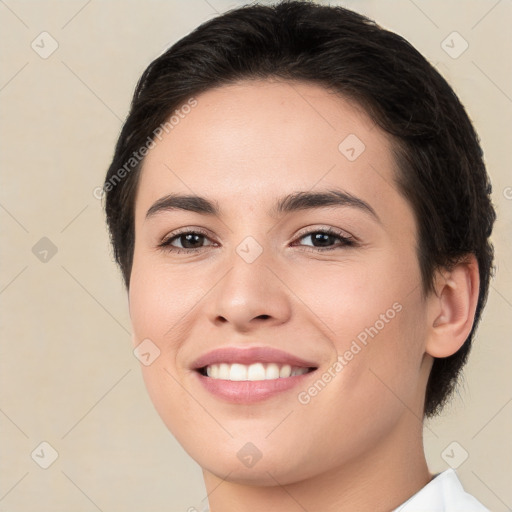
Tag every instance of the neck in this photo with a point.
(381, 479)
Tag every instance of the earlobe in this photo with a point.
(452, 308)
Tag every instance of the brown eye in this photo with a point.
(186, 241)
(189, 241)
(325, 239)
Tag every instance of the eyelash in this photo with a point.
(345, 240)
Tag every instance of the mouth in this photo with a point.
(237, 372)
(245, 376)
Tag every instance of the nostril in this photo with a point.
(263, 317)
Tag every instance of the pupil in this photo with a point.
(190, 239)
(323, 238)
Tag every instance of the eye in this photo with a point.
(323, 239)
(193, 240)
(189, 241)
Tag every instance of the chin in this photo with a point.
(241, 463)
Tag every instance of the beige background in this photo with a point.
(68, 374)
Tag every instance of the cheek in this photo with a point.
(347, 299)
(375, 324)
(160, 301)
(381, 351)
(163, 306)
(152, 317)
(376, 380)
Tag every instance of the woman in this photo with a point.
(301, 214)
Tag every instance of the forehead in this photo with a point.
(257, 137)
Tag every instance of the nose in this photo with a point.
(250, 294)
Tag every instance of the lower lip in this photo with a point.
(247, 391)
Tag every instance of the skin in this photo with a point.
(357, 445)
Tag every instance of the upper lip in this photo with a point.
(231, 355)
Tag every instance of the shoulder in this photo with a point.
(444, 493)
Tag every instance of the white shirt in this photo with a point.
(444, 493)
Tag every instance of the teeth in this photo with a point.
(285, 371)
(237, 372)
(272, 371)
(256, 372)
(253, 372)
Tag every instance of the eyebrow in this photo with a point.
(295, 201)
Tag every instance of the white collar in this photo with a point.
(444, 493)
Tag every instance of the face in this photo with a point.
(285, 305)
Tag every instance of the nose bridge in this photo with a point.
(250, 290)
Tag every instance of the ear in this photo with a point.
(451, 309)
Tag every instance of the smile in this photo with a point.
(253, 372)
(246, 375)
